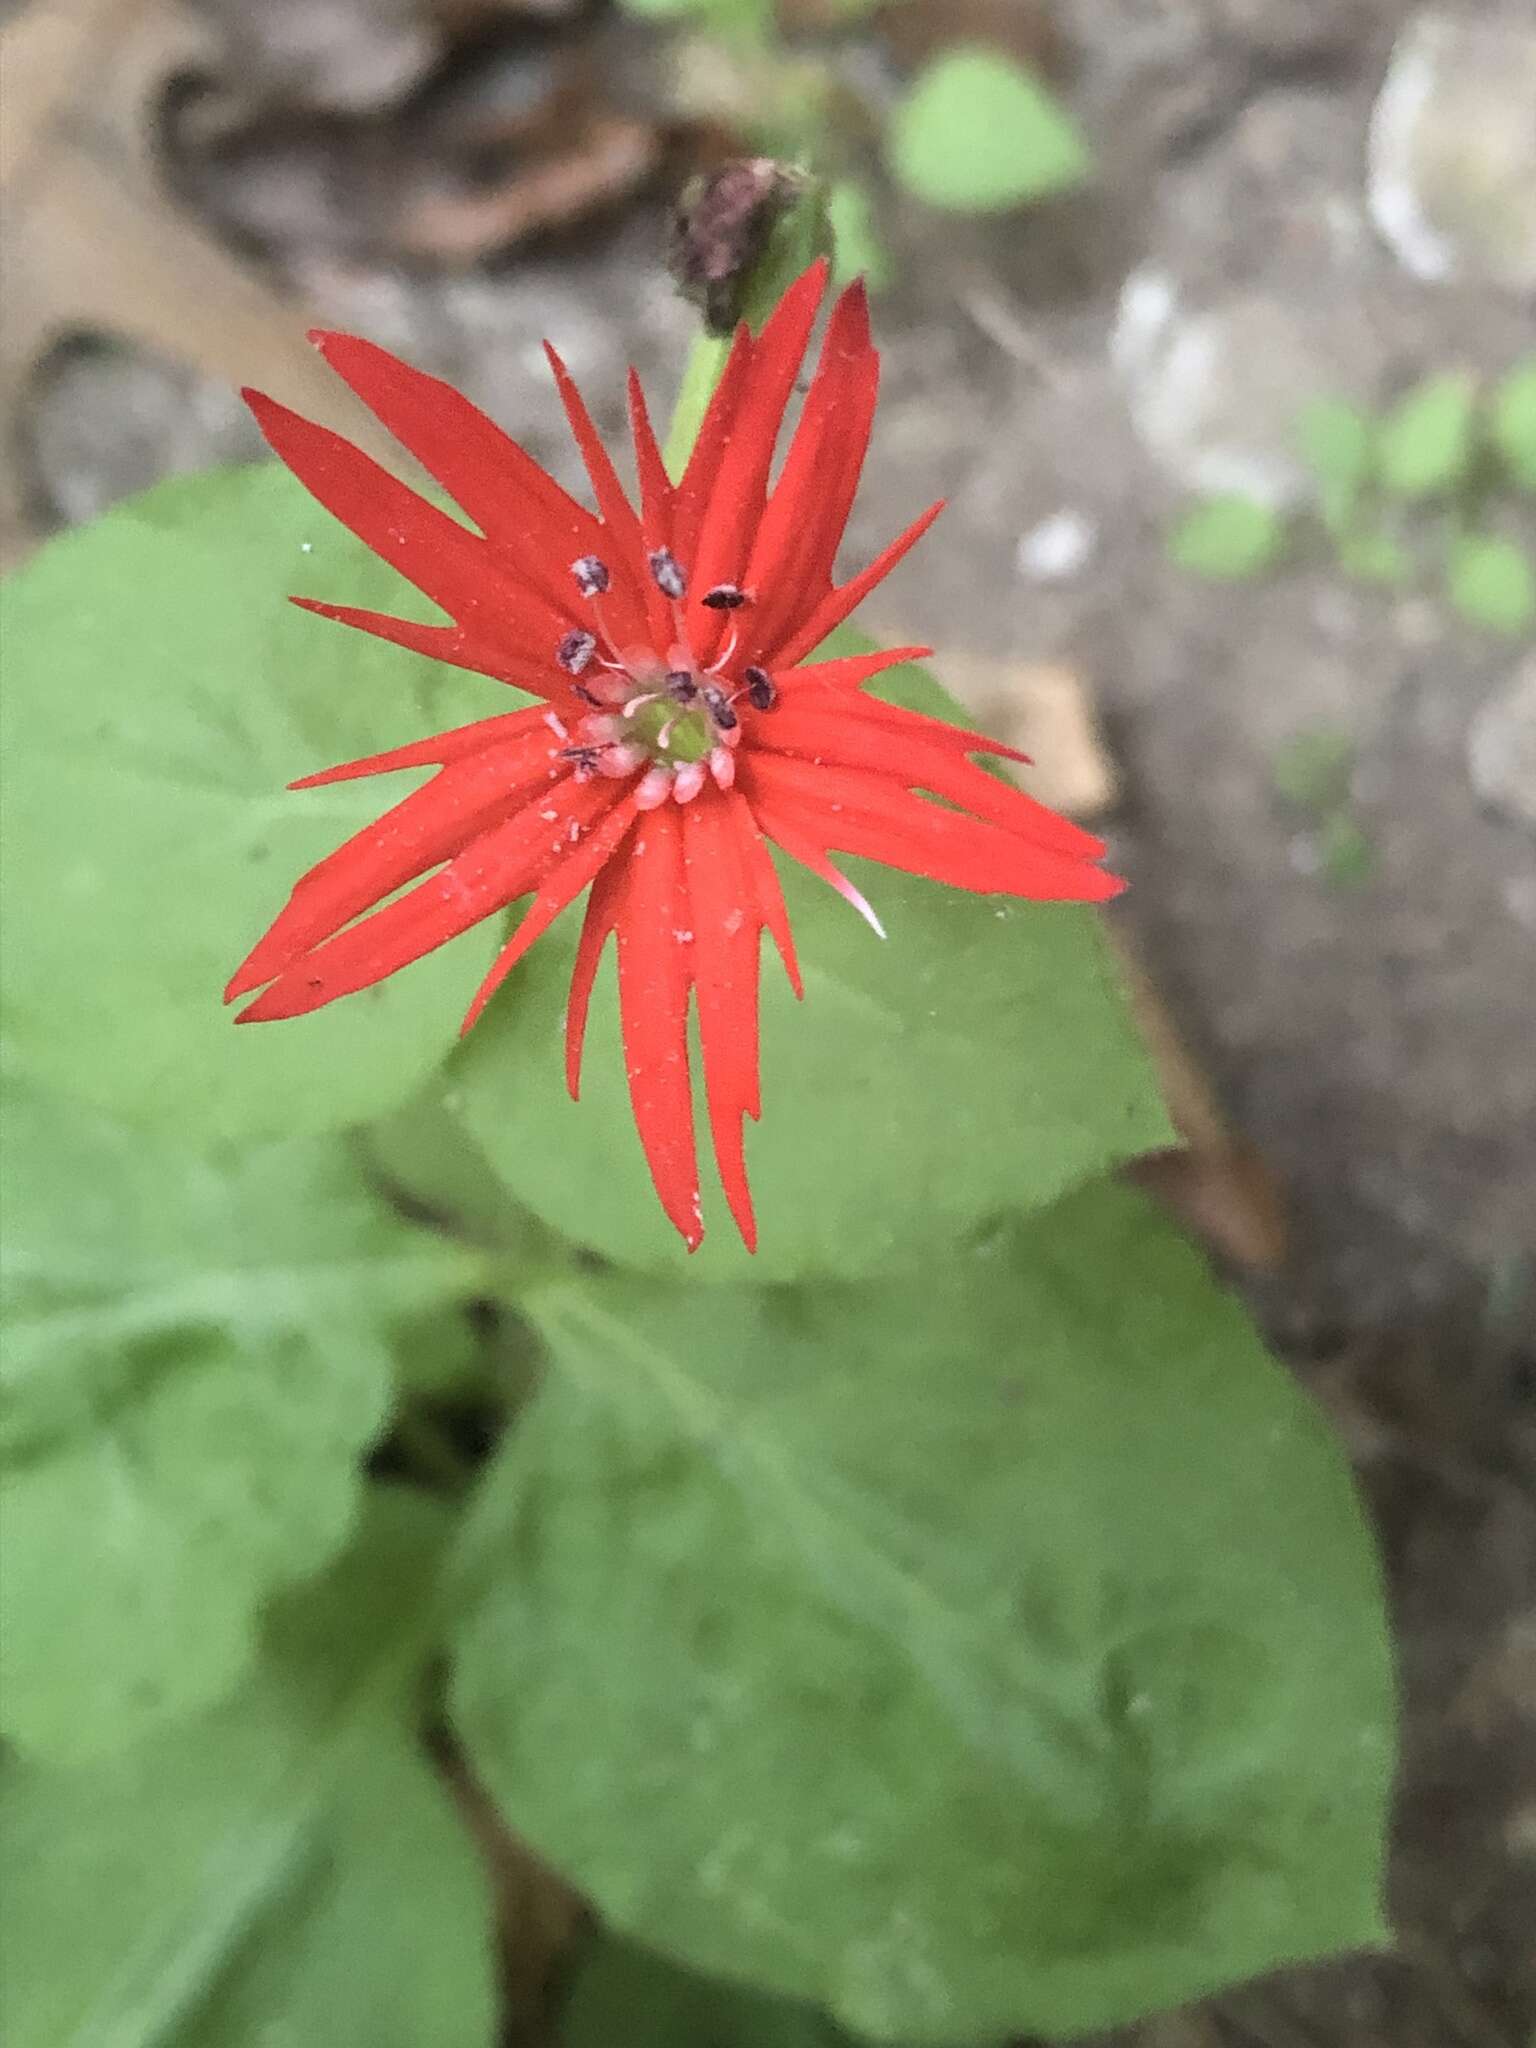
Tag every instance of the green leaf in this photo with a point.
(994, 1649)
(1513, 422)
(1375, 558)
(197, 1354)
(1314, 768)
(1346, 856)
(980, 1060)
(1429, 439)
(979, 133)
(626, 1993)
(1492, 583)
(1338, 441)
(1229, 539)
(160, 692)
(285, 1869)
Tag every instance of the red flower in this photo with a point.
(681, 728)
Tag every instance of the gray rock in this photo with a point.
(1452, 183)
(343, 56)
(1501, 748)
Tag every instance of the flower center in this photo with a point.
(667, 719)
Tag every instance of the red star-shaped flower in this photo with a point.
(681, 728)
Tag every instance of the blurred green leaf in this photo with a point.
(283, 1870)
(1346, 857)
(995, 1648)
(1314, 768)
(1338, 441)
(1492, 583)
(198, 1352)
(160, 692)
(1513, 422)
(1229, 539)
(1429, 439)
(979, 133)
(981, 1060)
(1376, 558)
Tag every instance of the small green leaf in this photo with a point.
(1314, 768)
(1492, 583)
(1513, 422)
(1337, 439)
(285, 1869)
(160, 692)
(980, 1060)
(979, 133)
(198, 1352)
(1346, 857)
(1376, 558)
(1429, 438)
(1229, 539)
(995, 1649)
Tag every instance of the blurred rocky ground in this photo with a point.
(1295, 198)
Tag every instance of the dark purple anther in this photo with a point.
(762, 692)
(667, 571)
(681, 687)
(591, 575)
(725, 597)
(718, 705)
(575, 651)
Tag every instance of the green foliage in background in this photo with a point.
(977, 132)
(1439, 474)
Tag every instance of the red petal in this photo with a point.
(761, 878)
(459, 646)
(719, 423)
(845, 676)
(874, 816)
(833, 609)
(590, 853)
(490, 872)
(511, 499)
(655, 507)
(430, 825)
(918, 753)
(726, 926)
(740, 486)
(655, 974)
(439, 749)
(627, 603)
(790, 571)
(454, 567)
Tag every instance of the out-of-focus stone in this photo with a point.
(1501, 748)
(1215, 392)
(108, 419)
(344, 56)
(1044, 709)
(1452, 183)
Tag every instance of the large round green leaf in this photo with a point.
(995, 1650)
(159, 694)
(979, 133)
(197, 1354)
(284, 1872)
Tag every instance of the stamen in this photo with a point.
(722, 766)
(725, 597)
(725, 653)
(762, 691)
(620, 759)
(587, 696)
(687, 782)
(576, 650)
(668, 574)
(592, 577)
(634, 704)
(681, 687)
(653, 789)
(718, 705)
(583, 760)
